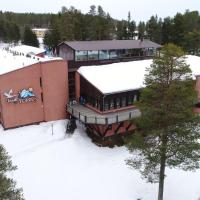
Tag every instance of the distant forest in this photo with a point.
(72, 24)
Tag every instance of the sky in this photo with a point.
(141, 10)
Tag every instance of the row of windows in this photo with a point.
(112, 103)
(119, 102)
(112, 54)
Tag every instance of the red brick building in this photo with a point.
(32, 90)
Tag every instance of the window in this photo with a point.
(42, 97)
(135, 98)
(113, 54)
(112, 104)
(93, 55)
(124, 53)
(81, 55)
(118, 103)
(106, 105)
(97, 103)
(41, 82)
(103, 55)
(130, 100)
(123, 101)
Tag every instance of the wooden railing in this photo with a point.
(95, 118)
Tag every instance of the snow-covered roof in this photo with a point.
(110, 44)
(25, 49)
(194, 62)
(10, 62)
(118, 77)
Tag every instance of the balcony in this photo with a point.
(88, 116)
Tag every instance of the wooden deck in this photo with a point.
(89, 116)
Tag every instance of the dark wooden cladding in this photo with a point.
(92, 96)
(66, 52)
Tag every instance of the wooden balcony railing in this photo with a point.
(88, 116)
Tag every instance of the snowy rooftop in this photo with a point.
(125, 76)
(25, 49)
(10, 62)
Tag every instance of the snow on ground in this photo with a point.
(59, 167)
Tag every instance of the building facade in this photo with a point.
(33, 93)
(85, 53)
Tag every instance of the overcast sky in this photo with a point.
(141, 10)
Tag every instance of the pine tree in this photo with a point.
(8, 189)
(167, 30)
(192, 42)
(30, 38)
(153, 29)
(141, 30)
(168, 132)
(131, 27)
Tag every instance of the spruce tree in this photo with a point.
(30, 38)
(168, 132)
(8, 189)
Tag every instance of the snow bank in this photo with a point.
(56, 166)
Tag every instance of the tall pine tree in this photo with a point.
(168, 132)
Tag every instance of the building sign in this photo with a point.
(23, 96)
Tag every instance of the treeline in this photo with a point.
(70, 24)
(182, 30)
(96, 24)
(12, 25)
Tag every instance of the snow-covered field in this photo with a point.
(60, 167)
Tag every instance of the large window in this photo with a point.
(151, 51)
(130, 100)
(135, 98)
(106, 105)
(118, 103)
(103, 55)
(113, 54)
(93, 55)
(125, 53)
(123, 101)
(81, 55)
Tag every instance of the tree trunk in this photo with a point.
(162, 171)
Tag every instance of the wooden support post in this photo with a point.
(108, 127)
(130, 124)
(85, 119)
(118, 127)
